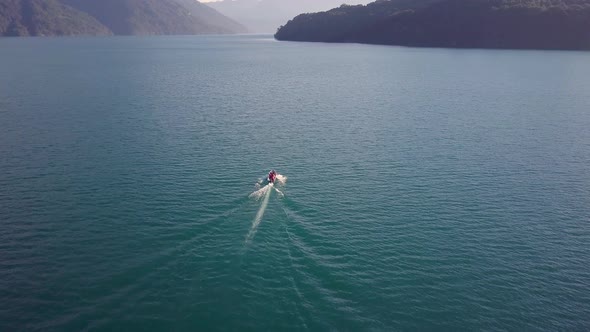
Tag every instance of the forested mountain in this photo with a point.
(535, 24)
(45, 18)
(120, 17)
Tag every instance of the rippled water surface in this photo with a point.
(426, 189)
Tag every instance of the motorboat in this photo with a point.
(272, 176)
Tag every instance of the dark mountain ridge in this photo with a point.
(46, 18)
(120, 17)
(518, 24)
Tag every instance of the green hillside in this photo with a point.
(531, 24)
(46, 18)
(120, 17)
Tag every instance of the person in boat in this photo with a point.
(272, 176)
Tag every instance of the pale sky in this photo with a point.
(267, 15)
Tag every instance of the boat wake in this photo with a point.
(258, 194)
(264, 194)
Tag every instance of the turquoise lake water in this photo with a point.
(426, 189)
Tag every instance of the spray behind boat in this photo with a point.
(264, 193)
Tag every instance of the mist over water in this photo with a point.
(428, 189)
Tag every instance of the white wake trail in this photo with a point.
(260, 192)
(257, 194)
(280, 192)
(264, 193)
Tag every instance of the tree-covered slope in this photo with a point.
(156, 17)
(45, 18)
(540, 24)
(338, 24)
(121, 17)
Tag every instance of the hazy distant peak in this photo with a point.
(268, 15)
